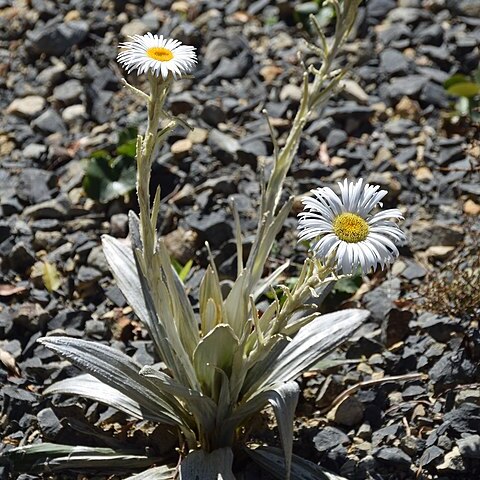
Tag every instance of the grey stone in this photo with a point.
(217, 49)
(35, 185)
(409, 86)
(95, 328)
(469, 8)
(21, 257)
(212, 226)
(213, 113)
(393, 62)
(349, 412)
(58, 207)
(119, 225)
(394, 457)
(86, 276)
(290, 92)
(96, 259)
(380, 8)
(27, 107)
(34, 151)
(74, 113)
(432, 455)
(52, 75)
(49, 424)
(250, 151)
(229, 68)
(134, 27)
(57, 38)
(49, 122)
(223, 146)
(329, 438)
(407, 15)
(432, 35)
(336, 138)
(68, 92)
(425, 234)
(468, 395)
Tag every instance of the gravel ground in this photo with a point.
(406, 403)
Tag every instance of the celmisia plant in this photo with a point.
(227, 362)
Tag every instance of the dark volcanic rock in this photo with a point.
(452, 369)
(329, 438)
(57, 38)
(394, 457)
(212, 226)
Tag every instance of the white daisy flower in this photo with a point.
(157, 54)
(345, 227)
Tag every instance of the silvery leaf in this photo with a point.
(272, 460)
(89, 387)
(50, 457)
(216, 465)
(284, 401)
(155, 473)
(131, 281)
(310, 344)
(203, 407)
(182, 308)
(119, 371)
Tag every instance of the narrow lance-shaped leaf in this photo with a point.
(118, 371)
(132, 283)
(284, 401)
(49, 457)
(208, 466)
(157, 473)
(272, 460)
(309, 345)
(203, 408)
(182, 309)
(89, 387)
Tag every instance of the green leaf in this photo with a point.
(454, 79)
(464, 89)
(51, 278)
(106, 179)
(129, 149)
(348, 284)
(128, 134)
(183, 273)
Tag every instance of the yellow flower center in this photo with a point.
(160, 54)
(350, 227)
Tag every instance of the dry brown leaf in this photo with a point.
(7, 290)
(10, 364)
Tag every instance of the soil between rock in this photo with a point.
(63, 100)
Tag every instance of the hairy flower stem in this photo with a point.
(147, 148)
(314, 97)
